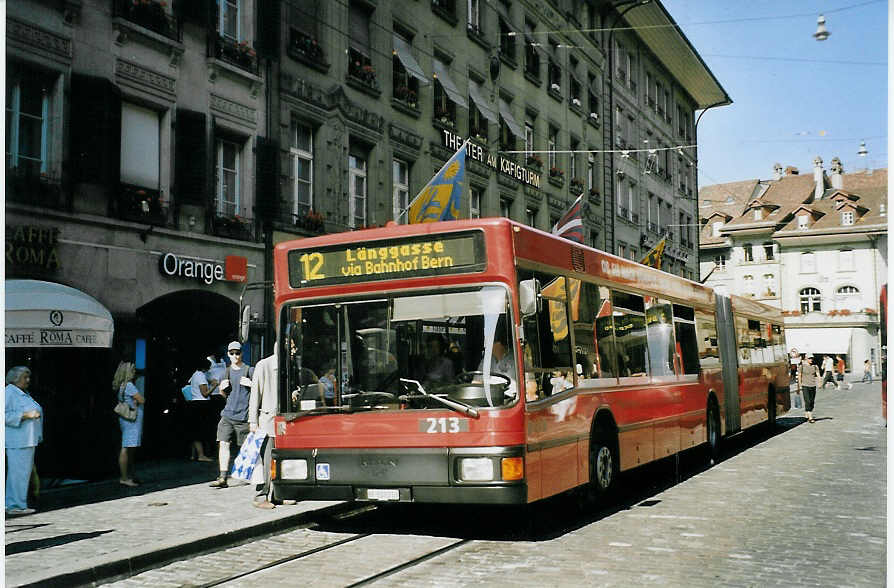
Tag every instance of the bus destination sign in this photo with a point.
(389, 259)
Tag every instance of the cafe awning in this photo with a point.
(487, 111)
(819, 340)
(46, 314)
(514, 127)
(402, 50)
(448, 85)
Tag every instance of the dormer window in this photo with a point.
(847, 218)
(802, 222)
(758, 214)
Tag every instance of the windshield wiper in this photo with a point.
(343, 409)
(452, 404)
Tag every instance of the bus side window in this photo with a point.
(706, 333)
(660, 337)
(744, 340)
(548, 336)
(604, 333)
(687, 343)
(629, 319)
(593, 334)
(779, 353)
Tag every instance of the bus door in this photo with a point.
(729, 360)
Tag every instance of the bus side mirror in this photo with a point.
(528, 297)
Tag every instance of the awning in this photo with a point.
(448, 85)
(44, 314)
(487, 111)
(819, 340)
(409, 62)
(514, 127)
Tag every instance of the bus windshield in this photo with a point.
(456, 344)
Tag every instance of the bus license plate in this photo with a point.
(383, 494)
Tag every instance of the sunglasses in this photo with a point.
(235, 353)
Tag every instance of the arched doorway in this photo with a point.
(178, 329)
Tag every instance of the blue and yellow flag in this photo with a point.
(441, 198)
(653, 257)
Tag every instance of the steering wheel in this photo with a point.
(371, 397)
(469, 377)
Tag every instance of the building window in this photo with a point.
(758, 214)
(808, 262)
(505, 207)
(475, 202)
(749, 252)
(811, 300)
(531, 217)
(847, 218)
(359, 62)
(591, 172)
(802, 222)
(27, 124)
(720, 262)
(769, 285)
(622, 250)
(228, 23)
(474, 15)
(552, 141)
(507, 41)
(405, 84)
(848, 298)
(532, 57)
(140, 146)
(846, 260)
(301, 150)
(769, 251)
(401, 183)
(572, 160)
(529, 139)
(357, 191)
(748, 285)
(227, 168)
(554, 71)
(592, 98)
(477, 121)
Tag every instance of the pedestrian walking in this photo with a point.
(839, 374)
(24, 431)
(198, 411)
(233, 424)
(131, 431)
(261, 410)
(214, 375)
(828, 371)
(867, 372)
(808, 377)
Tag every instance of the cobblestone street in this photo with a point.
(805, 507)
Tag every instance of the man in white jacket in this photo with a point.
(261, 410)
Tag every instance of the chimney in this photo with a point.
(818, 178)
(777, 171)
(791, 171)
(837, 171)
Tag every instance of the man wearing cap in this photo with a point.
(236, 386)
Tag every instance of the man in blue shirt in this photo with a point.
(236, 386)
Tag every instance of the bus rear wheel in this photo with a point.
(604, 465)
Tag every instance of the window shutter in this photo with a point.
(267, 186)
(192, 157)
(267, 42)
(95, 129)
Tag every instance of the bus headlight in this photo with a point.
(476, 469)
(293, 469)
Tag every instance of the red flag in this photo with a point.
(571, 225)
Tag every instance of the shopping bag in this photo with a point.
(796, 400)
(248, 465)
(187, 392)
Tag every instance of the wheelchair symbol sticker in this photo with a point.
(322, 471)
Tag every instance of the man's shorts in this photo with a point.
(228, 428)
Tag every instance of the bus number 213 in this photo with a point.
(443, 425)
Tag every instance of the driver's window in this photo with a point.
(548, 358)
(310, 357)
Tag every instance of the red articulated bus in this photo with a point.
(483, 361)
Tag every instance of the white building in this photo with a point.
(814, 246)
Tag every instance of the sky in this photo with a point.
(793, 97)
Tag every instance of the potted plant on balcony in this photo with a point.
(594, 192)
(535, 161)
(555, 172)
(576, 184)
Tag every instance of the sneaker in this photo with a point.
(129, 483)
(18, 512)
(264, 504)
(219, 483)
(289, 501)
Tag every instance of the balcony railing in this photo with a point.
(305, 48)
(233, 227)
(149, 14)
(141, 205)
(240, 54)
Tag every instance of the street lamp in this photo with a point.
(821, 33)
